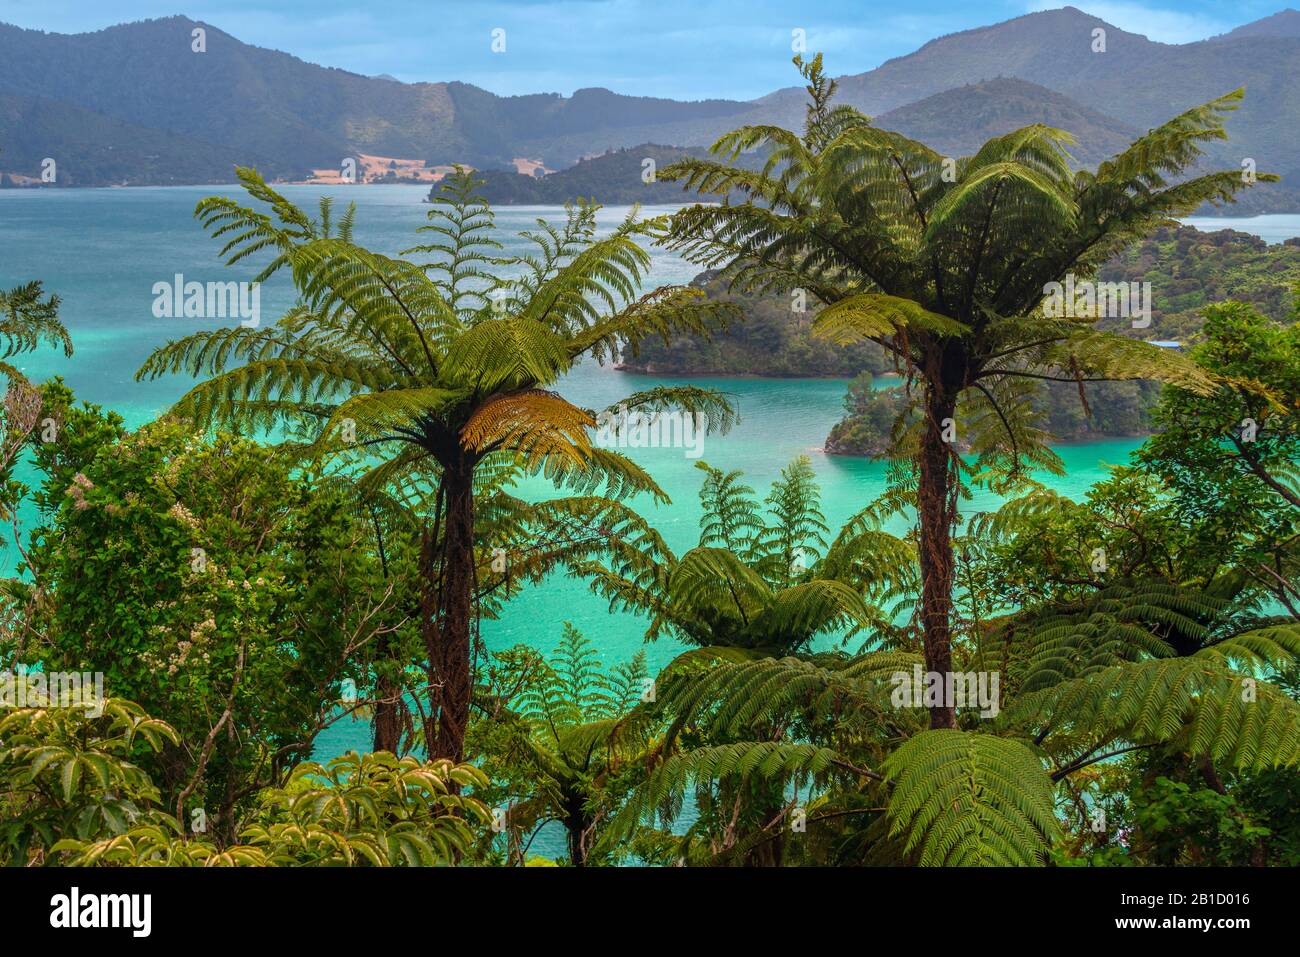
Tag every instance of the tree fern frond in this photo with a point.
(966, 799)
(1196, 704)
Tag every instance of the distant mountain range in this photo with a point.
(133, 104)
(960, 120)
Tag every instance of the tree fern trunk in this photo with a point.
(576, 823)
(934, 508)
(450, 631)
(387, 725)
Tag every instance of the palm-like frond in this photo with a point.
(28, 318)
(965, 799)
(1196, 704)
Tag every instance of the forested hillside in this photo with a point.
(617, 178)
(143, 86)
(1188, 270)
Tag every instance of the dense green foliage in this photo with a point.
(430, 385)
(768, 579)
(73, 795)
(946, 264)
(553, 739)
(207, 585)
(1188, 270)
(317, 528)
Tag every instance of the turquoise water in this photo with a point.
(1272, 228)
(102, 251)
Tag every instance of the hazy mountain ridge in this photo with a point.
(956, 121)
(1136, 81)
(254, 105)
(91, 149)
(293, 116)
(1284, 23)
(960, 120)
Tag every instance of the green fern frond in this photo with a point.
(966, 799)
(1195, 704)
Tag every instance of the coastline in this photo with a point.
(1211, 213)
(1079, 442)
(707, 374)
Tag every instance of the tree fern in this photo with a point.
(964, 799)
(1196, 704)
(944, 263)
(28, 318)
(437, 369)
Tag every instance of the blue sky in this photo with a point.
(685, 49)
